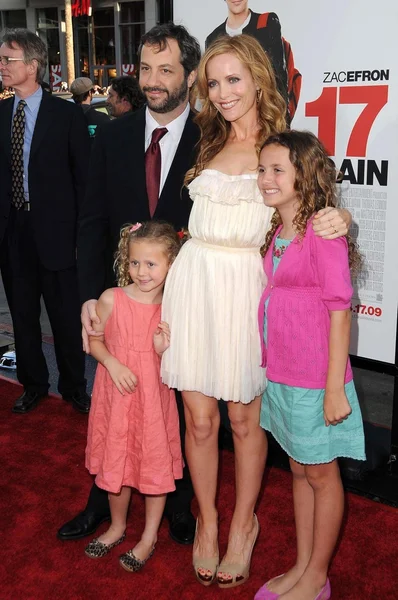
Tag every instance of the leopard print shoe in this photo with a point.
(97, 549)
(131, 563)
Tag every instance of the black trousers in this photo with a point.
(26, 281)
(177, 502)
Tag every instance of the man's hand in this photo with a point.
(161, 337)
(88, 317)
(331, 223)
(336, 408)
(122, 377)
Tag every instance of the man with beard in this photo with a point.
(124, 96)
(121, 189)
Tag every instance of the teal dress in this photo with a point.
(294, 415)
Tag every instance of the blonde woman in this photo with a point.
(213, 291)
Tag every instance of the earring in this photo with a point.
(259, 95)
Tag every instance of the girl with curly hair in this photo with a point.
(133, 432)
(213, 290)
(310, 405)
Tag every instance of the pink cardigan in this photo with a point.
(312, 279)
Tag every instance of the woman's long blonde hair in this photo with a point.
(271, 106)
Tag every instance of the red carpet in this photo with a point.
(45, 483)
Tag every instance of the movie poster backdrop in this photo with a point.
(345, 54)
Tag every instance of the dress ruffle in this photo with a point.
(225, 189)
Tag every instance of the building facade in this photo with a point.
(105, 42)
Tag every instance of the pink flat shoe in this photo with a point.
(265, 594)
(326, 592)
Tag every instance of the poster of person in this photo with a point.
(347, 94)
(266, 28)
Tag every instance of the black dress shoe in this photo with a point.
(182, 527)
(81, 401)
(27, 402)
(85, 523)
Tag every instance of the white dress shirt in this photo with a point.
(168, 143)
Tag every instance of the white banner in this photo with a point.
(55, 78)
(346, 52)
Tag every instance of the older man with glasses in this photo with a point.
(44, 147)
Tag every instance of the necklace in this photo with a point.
(280, 250)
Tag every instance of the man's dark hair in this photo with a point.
(32, 46)
(127, 87)
(189, 46)
(80, 98)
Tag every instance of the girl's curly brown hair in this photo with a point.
(315, 185)
(158, 232)
(271, 107)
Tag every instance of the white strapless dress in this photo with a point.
(213, 291)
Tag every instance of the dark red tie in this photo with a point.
(153, 165)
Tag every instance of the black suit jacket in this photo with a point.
(58, 166)
(116, 195)
(270, 38)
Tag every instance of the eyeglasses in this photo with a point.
(5, 60)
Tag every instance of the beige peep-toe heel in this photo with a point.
(205, 564)
(239, 572)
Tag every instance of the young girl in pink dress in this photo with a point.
(310, 405)
(133, 432)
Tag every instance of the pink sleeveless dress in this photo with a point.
(133, 440)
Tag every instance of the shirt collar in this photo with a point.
(174, 128)
(32, 101)
(238, 29)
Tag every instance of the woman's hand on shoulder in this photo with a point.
(331, 223)
(122, 377)
(161, 338)
(336, 407)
